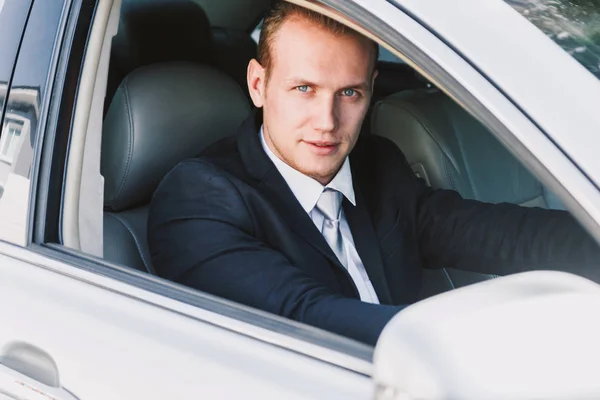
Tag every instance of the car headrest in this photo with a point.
(160, 115)
(153, 31)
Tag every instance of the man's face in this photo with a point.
(316, 97)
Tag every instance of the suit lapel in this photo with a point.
(272, 185)
(367, 245)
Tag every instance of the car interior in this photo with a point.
(177, 83)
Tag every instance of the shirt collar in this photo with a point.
(306, 189)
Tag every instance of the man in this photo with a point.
(299, 216)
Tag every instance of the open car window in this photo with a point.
(496, 177)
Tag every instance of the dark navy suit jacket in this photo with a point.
(227, 223)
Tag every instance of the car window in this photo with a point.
(12, 21)
(15, 118)
(386, 55)
(256, 32)
(572, 24)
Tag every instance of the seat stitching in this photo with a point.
(448, 173)
(130, 141)
(137, 244)
(460, 149)
(467, 166)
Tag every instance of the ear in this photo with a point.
(256, 82)
(375, 73)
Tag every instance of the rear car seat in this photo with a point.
(452, 150)
(153, 31)
(160, 115)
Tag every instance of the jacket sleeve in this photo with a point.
(500, 238)
(201, 234)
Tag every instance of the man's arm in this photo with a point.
(202, 234)
(500, 238)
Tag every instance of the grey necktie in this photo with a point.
(329, 205)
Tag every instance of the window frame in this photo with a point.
(55, 141)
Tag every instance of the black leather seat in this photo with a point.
(160, 115)
(450, 149)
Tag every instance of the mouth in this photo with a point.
(322, 147)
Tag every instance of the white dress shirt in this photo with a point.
(307, 190)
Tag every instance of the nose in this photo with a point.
(325, 114)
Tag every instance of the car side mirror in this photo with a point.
(533, 335)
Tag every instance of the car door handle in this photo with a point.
(28, 373)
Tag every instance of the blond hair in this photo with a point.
(282, 11)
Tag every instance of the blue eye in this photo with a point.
(303, 88)
(349, 92)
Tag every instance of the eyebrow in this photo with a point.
(300, 81)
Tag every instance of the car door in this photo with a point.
(76, 326)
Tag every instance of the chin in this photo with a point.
(319, 169)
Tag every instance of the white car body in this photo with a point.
(111, 333)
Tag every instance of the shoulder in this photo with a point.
(190, 174)
(197, 188)
(216, 165)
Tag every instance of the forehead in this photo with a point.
(302, 48)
